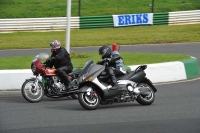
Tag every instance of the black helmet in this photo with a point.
(105, 52)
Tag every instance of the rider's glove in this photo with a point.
(106, 60)
(100, 62)
(50, 59)
(111, 60)
(53, 58)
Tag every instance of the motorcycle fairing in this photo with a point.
(50, 72)
(76, 72)
(136, 77)
(119, 82)
(86, 67)
(93, 71)
(152, 86)
(38, 65)
(110, 93)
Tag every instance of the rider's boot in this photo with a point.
(68, 86)
(64, 77)
(114, 85)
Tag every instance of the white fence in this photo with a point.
(184, 17)
(59, 23)
(35, 24)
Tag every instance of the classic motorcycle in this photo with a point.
(47, 82)
(94, 90)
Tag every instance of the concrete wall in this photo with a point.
(160, 72)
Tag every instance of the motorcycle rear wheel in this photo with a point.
(89, 102)
(146, 100)
(30, 93)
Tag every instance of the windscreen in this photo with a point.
(86, 67)
(41, 56)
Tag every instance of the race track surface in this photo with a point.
(176, 109)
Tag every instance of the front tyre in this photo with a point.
(89, 100)
(31, 92)
(146, 99)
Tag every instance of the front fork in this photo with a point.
(35, 84)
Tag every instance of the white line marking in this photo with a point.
(181, 81)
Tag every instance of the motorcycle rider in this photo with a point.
(114, 65)
(60, 59)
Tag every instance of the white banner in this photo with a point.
(132, 19)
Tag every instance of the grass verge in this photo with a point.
(23, 62)
(57, 8)
(97, 37)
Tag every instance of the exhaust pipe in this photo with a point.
(142, 90)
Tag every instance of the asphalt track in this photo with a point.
(192, 49)
(175, 110)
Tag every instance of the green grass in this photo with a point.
(57, 8)
(129, 59)
(96, 37)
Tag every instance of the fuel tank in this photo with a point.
(50, 72)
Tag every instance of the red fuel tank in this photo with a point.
(50, 72)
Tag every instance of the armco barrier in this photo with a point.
(37, 24)
(159, 72)
(87, 22)
(184, 17)
(160, 18)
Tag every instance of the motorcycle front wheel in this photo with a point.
(31, 92)
(89, 101)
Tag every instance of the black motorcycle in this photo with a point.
(94, 90)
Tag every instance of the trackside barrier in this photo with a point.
(160, 72)
(37, 24)
(184, 17)
(87, 22)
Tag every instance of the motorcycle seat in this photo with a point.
(126, 76)
(75, 72)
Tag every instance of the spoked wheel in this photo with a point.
(31, 92)
(89, 100)
(146, 99)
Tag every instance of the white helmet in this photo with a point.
(55, 45)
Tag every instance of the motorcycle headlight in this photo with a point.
(83, 77)
(33, 68)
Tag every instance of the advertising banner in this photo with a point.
(132, 19)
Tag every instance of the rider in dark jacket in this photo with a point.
(60, 59)
(114, 64)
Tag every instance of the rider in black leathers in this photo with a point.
(114, 65)
(60, 59)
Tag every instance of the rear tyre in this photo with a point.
(146, 99)
(31, 92)
(89, 102)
